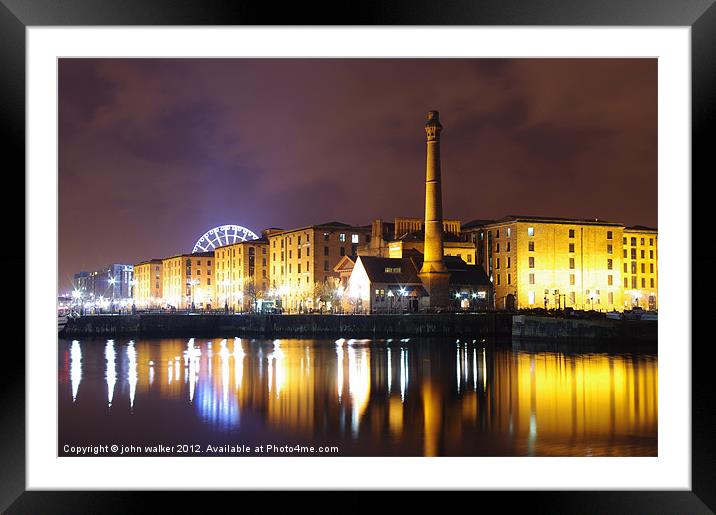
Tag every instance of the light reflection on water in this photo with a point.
(383, 397)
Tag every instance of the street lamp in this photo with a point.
(112, 281)
(192, 283)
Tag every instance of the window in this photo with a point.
(633, 282)
(652, 282)
(531, 246)
(633, 253)
(610, 282)
(642, 254)
(626, 283)
(571, 247)
(609, 235)
(299, 253)
(299, 268)
(530, 231)
(326, 236)
(198, 272)
(532, 262)
(308, 251)
(498, 248)
(325, 251)
(289, 268)
(530, 297)
(342, 237)
(633, 242)
(643, 268)
(497, 233)
(571, 279)
(343, 251)
(624, 254)
(208, 281)
(651, 254)
(198, 262)
(290, 254)
(299, 240)
(509, 279)
(508, 246)
(571, 263)
(469, 258)
(571, 233)
(325, 266)
(641, 241)
(354, 238)
(498, 264)
(509, 232)
(508, 262)
(532, 278)
(610, 263)
(572, 298)
(609, 249)
(498, 279)
(651, 242)
(651, 268)
(643, 282)
(624, 240)
(633, 267)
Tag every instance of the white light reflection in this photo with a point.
(75, 368)
(192, 356)
(457, 367)
(276, 360)
(358, 384)
(111, 373)
(339, 367)
(238, 363)
(403, 373)
(224, 357)
(390, 372)
(484, 371)
(474, 368)
(131, 373)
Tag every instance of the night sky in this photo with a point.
(155, 152)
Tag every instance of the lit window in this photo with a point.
(530, 297)
(532, 262)
(610, 281)
(571, 263)
(509, 233)
(571, 279)
(609, 264)
(342, 237)
(354, 238)
(609, 248)
(530, 231)
(532, 278)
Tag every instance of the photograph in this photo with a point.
(357, 257)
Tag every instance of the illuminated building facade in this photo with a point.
(301, 258)
(147, 290)
(639, 267)
(108, 285)
(189, 279)
(557, 262)
(242, 274)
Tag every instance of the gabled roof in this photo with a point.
(345, 263)
(375, 268)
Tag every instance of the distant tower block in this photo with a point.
(434, 273)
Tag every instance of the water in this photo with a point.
(416, 397)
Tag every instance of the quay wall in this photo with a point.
(357, 326)
(524, 326)
(362, 326)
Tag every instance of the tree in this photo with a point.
(253, 294)
(328, 291)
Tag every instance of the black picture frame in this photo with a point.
(17, 15)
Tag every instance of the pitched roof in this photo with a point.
(375, 268)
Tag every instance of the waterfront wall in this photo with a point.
(356, 326)
(362, 326)
(524, 326)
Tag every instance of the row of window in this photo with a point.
(641, 241)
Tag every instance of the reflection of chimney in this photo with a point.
(434, 274)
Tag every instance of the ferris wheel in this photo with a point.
(223, 235)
